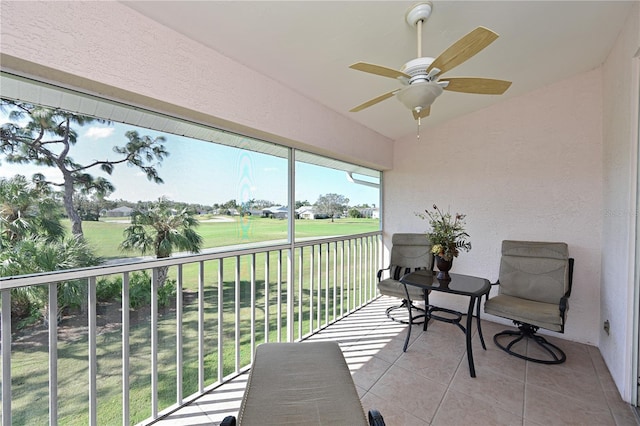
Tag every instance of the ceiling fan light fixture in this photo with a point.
(419, 95)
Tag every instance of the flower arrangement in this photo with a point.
(447, 233)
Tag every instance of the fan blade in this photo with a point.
(463, 49)
(379, 70)
(482, 86)
(373, 101)
(424, 113)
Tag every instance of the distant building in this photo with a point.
(372, 213)
(277, 212)
(123, 211)
(306, 212)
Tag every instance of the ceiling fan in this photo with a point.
(422, 77)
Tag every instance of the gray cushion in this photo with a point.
(393, 288)
(544, 315)
(535, 271)
(534, 276)
(409, 252)
(306, 383)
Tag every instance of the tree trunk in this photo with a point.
(163, 272)
(74, 217)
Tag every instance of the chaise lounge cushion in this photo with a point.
(306, 383)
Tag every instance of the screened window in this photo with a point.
(235, 188)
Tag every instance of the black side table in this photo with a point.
(464, 285)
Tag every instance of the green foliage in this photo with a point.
(447, 234)
(355, 213)
(161, 230)
(26, 210)
(331, 204)
(108, 289)
(36, 255)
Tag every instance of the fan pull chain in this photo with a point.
(418, 133)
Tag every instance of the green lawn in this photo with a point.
(29, 363)
(105, 237)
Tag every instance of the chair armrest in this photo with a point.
(379, 274)
(375, 418)
(228, 421)
(564, 303)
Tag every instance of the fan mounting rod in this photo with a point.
(416, 16)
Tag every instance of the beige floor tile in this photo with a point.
(435, 358)
(461, 409)
(551, 408)
(496, 390)
(562, 381)
(369, 373)
(494, 360)
(412, 393)
(391, 413)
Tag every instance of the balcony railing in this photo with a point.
(150, 360)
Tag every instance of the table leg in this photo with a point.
(426, 309)
(479, 302)
(472, 369)
(406, 340)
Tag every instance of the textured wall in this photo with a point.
(111, 44)
(529, 168)
(620, 212)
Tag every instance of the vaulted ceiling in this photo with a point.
(309, 45)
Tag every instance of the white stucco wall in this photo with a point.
(100, 46)
(529, 168)
(619, 214)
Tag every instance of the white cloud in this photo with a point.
(99, 132)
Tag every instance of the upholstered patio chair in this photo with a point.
(409, 252)
(535, 281)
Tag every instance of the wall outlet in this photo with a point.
(606, 327)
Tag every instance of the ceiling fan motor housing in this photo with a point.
(417, 69)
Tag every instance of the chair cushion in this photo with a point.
(540, 314)
(535, 271)
(306, 383)
(394, 288)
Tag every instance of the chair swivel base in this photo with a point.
(416, 319)
(528, 331)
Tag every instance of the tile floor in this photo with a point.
(430, 383)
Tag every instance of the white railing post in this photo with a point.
(253, 305)
(326, 289)
(267, 302)
(53, 353)
(6, 356)
(220, 319)
(201, 352)
(312, 259)
(154, 342)
(300, 290)
(290, 295)
(125, 348)
(237, 312)
(179, 341)
(335, 280)
(279, 300)
(93, 359)
(319, 291)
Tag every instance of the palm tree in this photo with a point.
(161, 230)
(27, 209)
(38, 254)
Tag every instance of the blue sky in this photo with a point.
(201, 172)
